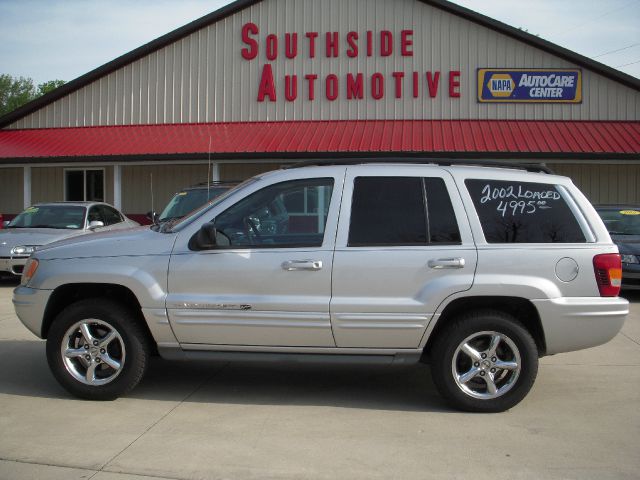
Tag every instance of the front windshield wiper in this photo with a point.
(167, 219)
(48, 226)
(168, 225)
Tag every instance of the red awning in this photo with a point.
(543, 138)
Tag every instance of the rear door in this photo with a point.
(403, 246)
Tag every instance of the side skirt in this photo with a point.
(177, 353)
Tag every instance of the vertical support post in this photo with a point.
(26, 178)
(117, 187)
(215, 172)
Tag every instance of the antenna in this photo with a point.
(209, 173)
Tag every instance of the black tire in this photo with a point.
(469, 388)
(95, 375)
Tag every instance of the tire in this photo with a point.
(97, 350)
(484, 361)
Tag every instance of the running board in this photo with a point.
(172, 353)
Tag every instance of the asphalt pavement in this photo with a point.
(250, 421)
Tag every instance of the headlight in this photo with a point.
(629, 259)
(23, 250)
(29, 271)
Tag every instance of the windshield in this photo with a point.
(187, 201)
(65, 217)
(624, 221)
(179, 222)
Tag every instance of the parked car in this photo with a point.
(623, 223)
(188, 199)
(48, 222)
(477, 270)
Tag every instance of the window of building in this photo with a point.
(524, 212)
(84, 185)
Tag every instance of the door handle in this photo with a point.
(292, 265)
(442, 263)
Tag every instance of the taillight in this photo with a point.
(608, 270)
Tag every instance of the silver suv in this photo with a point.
(477, 270)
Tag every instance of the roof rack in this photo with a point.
(529, 167)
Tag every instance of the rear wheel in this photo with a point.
(97, 350)
(484, 361)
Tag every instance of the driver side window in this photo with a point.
(269, 218)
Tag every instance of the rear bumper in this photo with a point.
(30, 304)
(576, 323)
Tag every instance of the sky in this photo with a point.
(64, 39)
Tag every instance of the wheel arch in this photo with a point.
(65, 295)
(520, 308)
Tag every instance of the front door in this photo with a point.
(268, 282)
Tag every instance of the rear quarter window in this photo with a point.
(523, 212)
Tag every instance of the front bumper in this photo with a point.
(13, 265)
(30, 304)
(575, 323)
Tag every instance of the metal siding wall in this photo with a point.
(47, 184)
(11, 190)
(167, 180)
(604, 183)
(203, 78)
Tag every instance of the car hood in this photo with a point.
(14, 237)
(627, 244)
(138, 241)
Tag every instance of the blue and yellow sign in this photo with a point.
(515, 85)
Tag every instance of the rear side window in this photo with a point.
(523, 212)
(110, 216)
(396, 211)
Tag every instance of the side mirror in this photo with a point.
(205, 238)
(208, 237)
(95, 224)
(153, 216)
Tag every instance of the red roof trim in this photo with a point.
(318, 137)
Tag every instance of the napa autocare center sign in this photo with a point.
(523, 85)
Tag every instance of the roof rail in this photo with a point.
(529, 167)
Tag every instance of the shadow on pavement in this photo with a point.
(25, 373)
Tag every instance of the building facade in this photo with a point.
(259, 84)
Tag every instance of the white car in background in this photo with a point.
(49, 222)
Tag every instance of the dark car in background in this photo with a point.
(190, 198)
(623, 223)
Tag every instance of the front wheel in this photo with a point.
(484, 361)
(97, 350)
